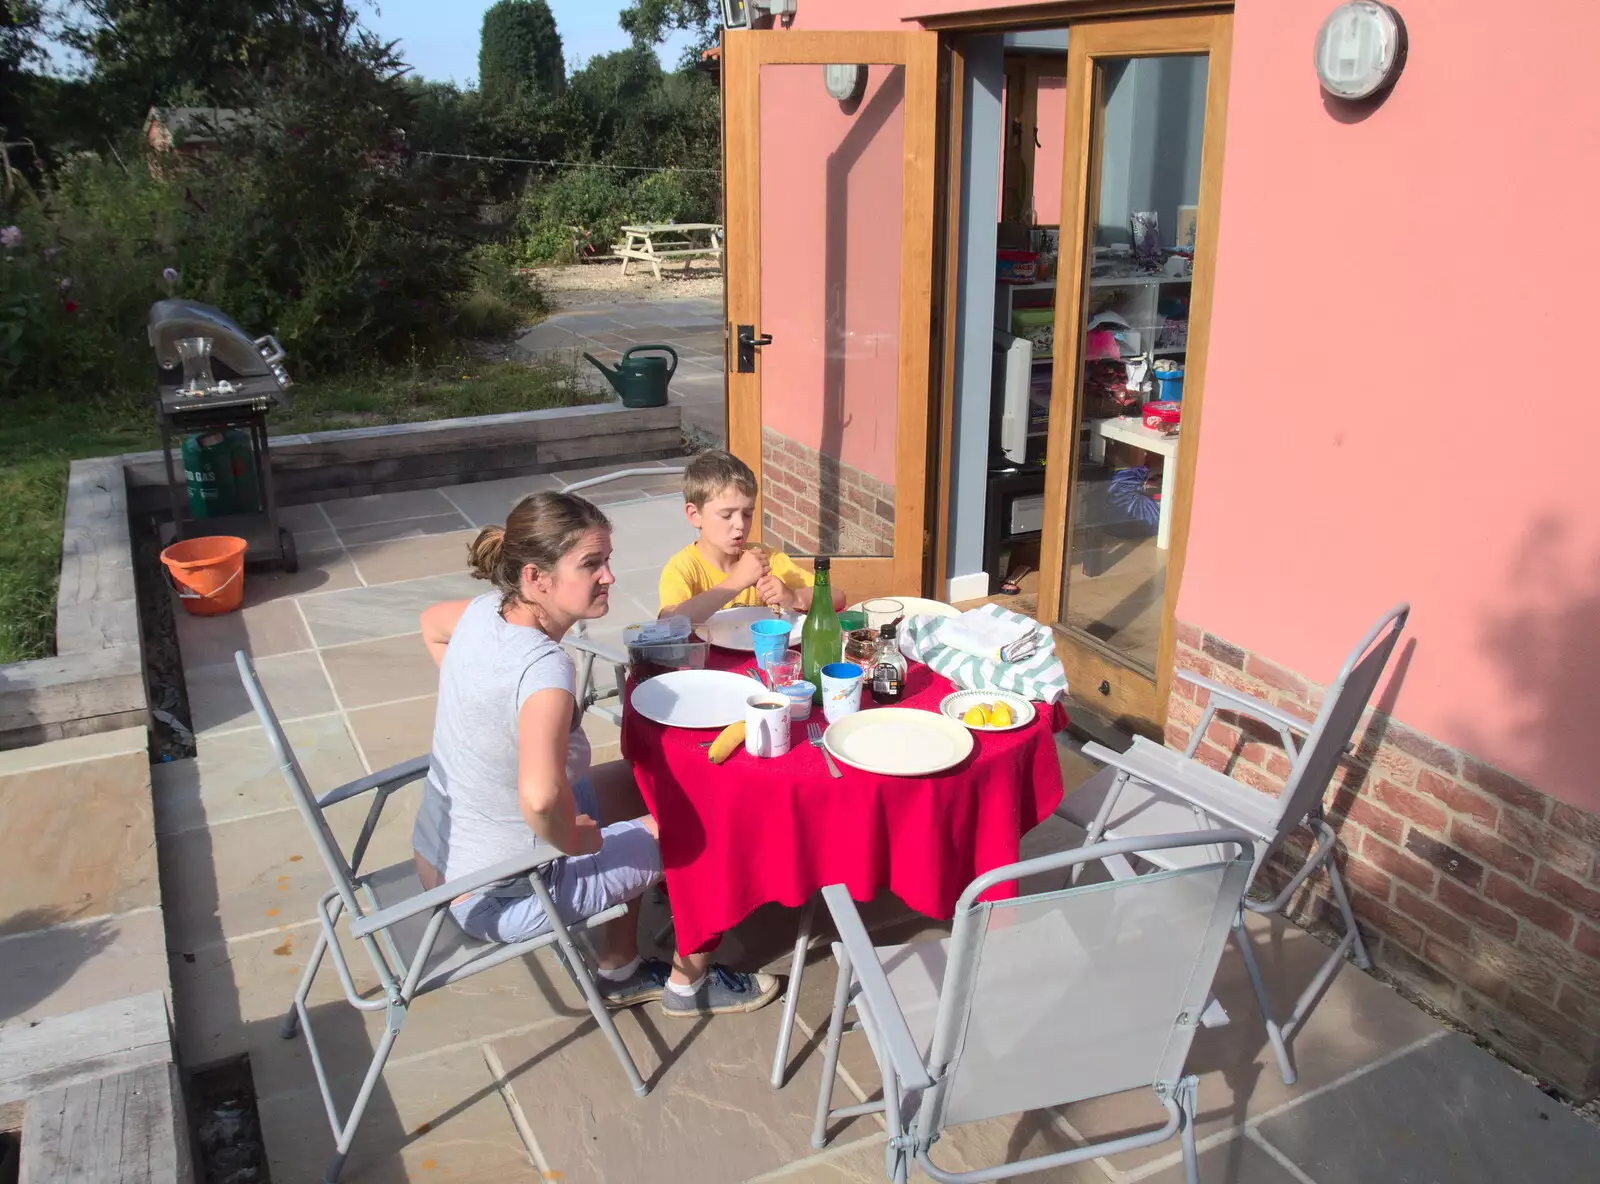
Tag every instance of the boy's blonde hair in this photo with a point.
(709, 473)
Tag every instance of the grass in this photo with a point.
(40, 437)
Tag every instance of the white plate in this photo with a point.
(916, 606)
(694, 698)
(956, 705)
(730, 628)
(898, 741)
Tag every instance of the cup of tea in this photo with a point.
(766, 724)
(841, 690)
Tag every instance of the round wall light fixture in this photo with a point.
(1361, 49)
(844, 83)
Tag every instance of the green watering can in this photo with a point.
(642, 382)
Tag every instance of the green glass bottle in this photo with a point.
(821, 639)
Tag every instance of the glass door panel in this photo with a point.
(830, 298)
(1132, 334)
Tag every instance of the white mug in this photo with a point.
(766, 724)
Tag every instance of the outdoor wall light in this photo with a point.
(1361, 49)
(844, 82)
(737, 14)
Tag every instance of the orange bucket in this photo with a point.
(207, 573)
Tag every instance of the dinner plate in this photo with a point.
(730, 628)
(898, 741)
(916, 606)
(694, 698)
(956, 705)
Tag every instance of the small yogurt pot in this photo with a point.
(800, 695)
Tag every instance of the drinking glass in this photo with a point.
(882, 612)
(783, 669)
(196, 355)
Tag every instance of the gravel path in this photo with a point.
(593, 283)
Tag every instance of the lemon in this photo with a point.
(976, 717)
(1000, 716)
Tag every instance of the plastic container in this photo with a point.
(207, 573)
(1017, 267)
(1161, 415)
(647, 661)
(1171, 385)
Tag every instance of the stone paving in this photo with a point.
(506, 1078)
(693, 326)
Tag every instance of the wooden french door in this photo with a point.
(829, 213)
(1146, 108)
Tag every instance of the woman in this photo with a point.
(510, 762)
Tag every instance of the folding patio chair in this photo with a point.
(1150, 789)
(1047, 999)
(605, 704)
(413, 943)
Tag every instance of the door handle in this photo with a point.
(745, 363)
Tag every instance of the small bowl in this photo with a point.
(800, 695)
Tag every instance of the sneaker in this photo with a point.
(723, 991)
(647, 983)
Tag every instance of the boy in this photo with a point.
(721, 568)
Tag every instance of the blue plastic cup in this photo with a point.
(769, 638)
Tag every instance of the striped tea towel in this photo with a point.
(985, 636)
(1039, 677)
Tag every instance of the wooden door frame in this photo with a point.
(1131, 700)
(744, 53)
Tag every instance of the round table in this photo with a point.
(750, 832)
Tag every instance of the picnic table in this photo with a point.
(658, 242)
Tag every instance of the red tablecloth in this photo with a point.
(750, 832)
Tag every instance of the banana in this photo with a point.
(730, 738)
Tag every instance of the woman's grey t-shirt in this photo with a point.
(470, 817)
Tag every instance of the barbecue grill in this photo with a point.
(234, 382)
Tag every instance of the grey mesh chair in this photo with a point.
(1043, 1000)
(407, 933)
(1150, 789)
(594, 696)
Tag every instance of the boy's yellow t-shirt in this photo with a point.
(687, 574)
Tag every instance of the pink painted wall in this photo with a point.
(1052, 122)
(830, 264)
(1396, 301)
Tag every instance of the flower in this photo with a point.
(65, 284)
(10, 237)
(69, 306)
(170, 274)
(50, 253)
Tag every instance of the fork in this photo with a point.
(815, 733)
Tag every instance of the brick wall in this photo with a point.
(1473, 888)
(816, 505)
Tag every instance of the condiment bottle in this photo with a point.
(888, 677)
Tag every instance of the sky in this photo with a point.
(439, 38)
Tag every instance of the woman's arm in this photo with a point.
(439, 622)
(546, 799)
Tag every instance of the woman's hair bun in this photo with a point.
(483, 557)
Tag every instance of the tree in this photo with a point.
(520, 51)
(649, 21)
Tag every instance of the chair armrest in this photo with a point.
(900, 1045)
(1186, 779)
(391, 778)
(604, 653)
(433, 898)
(1234, 700)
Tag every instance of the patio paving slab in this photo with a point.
(395, 732)
(324, 567)
(487, 502)
(234, 775)
(59, 970)
(294, 682)
(1238, 1161)
(437, 1119)
(405, 528)
(382, 610)
(261, 630)
(386, 507)
(365, 673)
(1446, 1112)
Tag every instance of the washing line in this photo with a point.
(569, 164)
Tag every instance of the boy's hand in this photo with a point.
(586, 836)
(752, 566)
(775, 593)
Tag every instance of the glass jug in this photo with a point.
(195, 353)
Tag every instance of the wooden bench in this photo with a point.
(654, 242)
